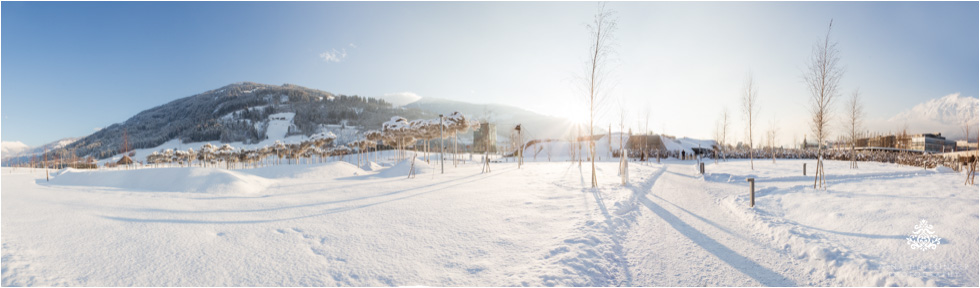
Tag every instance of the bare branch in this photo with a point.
(822, 76)
(601, 31)
(750, 109)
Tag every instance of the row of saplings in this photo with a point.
(398, 133)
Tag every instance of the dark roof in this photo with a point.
(125, 160)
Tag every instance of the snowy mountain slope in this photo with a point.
(22, 153)
(401, 98)
(13, 148)
(237, 113)
(276, 128)
(946, 115)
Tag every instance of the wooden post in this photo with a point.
(702, 168)
(804, 169)
(751, 191)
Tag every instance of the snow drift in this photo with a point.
(326, 170)
(403, 167)
(192, 180)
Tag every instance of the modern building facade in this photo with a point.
(932, 143)
(964, 145)
(925, 142)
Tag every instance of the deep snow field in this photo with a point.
(334, 224)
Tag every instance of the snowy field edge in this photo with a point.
(336, 224)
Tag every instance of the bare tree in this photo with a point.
(646, 129)
(750, 108)
(724, 132)
(822, 77)
(597, 69)
(717, 139)
(855, 113)
(623, 163)
(771, 138)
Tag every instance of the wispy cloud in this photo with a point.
(333, 55)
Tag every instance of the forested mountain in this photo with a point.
(237, 113)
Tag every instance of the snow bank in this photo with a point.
(192, 180)
(943, 169)
(371, 166)
(854, 232)
(402, 168)
(333, 169)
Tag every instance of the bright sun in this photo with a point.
(573, 115)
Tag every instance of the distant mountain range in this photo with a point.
(16, 148)
(946, 115)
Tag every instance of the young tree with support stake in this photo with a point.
(623, 161)
(597, 69)
(855, 111)
(822, 77)
(724, 133)
(771, 139)
(750, 108)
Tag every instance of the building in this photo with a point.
(485, 138)
(125, 161)
(932, 143)
(645, 142)
(804, 145)
(964, 145)
(880, 141)
(925, 142)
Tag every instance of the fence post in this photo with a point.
(751, 191)
(702, 168)
(804, 169)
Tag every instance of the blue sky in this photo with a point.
(70, 68)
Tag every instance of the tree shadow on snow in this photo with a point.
(745, 265)
(851, 234)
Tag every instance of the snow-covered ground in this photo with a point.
(337, 224)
